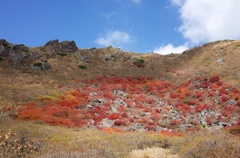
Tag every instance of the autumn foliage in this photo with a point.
(131, 101)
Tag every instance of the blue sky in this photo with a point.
(161, 26)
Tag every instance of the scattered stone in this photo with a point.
(159, 129)
(106, 123)
(220, 61)
(93, 93)
(119, 102)
(119, 93)
(137, 127)
(89, 106)
(232, 102)
(113, 109)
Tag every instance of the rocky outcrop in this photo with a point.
(17, 54)
(61, 47)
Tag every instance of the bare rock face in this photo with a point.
(61, 47)
(4, 48)
(17, 54)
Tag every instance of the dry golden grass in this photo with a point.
(54, 141)
(58, 142)
(154, 152)
(216, 144)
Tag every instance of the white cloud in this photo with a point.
(209, 20)
(136, 1)
(169, 48)
(177, 2)
(114, 38)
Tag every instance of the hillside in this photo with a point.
(116, 91)
(17, 65)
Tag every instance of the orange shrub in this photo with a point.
(29, 114)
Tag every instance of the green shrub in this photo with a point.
(62, 54)
(139, 63)
(38, 64)
(82, 67)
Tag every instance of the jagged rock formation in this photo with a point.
(61, 47)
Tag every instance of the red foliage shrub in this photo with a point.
(238, 123)
(192, 111)
(166, 108)
(173, 95)
(120, 108)
(105, 108)
(150, 123)
(183, 107)
(30, 104)
(200, 108)
(224, 98)
(204, 84)
(57, 121)
(151, 100)
(214, 78)
(209, 120)
(192, 129)
(99, 118)
(223, 91)
(124, 115)
(219, 117)
(214, 86)
(109, 95)
(175, 122)
(211, 93)
(114, 116)
(182, 96)
(117, 122)
(157, 110)
(79, 123)
(29, 114)
(184, 91)
(192, 102)
(155, 117)
(147, 109)
(198, 94)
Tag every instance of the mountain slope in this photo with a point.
(20, 66)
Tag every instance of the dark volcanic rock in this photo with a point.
(17, 54)
(4, 47)
(61, 47)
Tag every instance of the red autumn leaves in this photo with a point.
(144, 100)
